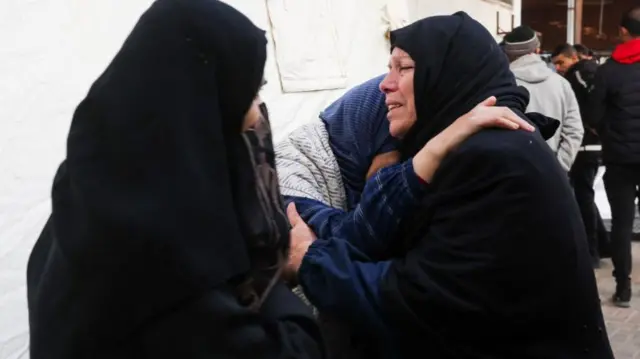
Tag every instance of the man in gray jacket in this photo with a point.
(551, 94)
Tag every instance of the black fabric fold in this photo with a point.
(546, 125)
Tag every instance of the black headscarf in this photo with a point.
(154, 203)
(458, 65)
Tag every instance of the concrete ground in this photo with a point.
(623, 325)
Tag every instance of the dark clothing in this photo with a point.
(583, 172)
(167, 230)
(467, 280)
(475, 276)
(604, 240)
(388, 196)
(615, 105)
(615, 112)
(621, 184)
(370, 228)
(480, 278)
(583, 175)
(581, 76)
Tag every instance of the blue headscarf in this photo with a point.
(358, 131)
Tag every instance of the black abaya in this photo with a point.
(167, 231)
(498, 265)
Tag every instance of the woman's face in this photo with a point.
(398, 88)
(252, 116)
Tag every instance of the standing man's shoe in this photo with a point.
(622, 297)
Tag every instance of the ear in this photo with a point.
(624, 31)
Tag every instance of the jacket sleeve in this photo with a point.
(597, 99)
(572, 130)
(215, 325)
(342, 281)
(386, 198)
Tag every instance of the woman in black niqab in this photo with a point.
(168, 235)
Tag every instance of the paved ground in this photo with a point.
(623, 325)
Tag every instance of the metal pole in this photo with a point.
(601, 17)
(517, 12)
(571, 16)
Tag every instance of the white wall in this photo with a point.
(51, 53)
(362, 44)
(482, 10)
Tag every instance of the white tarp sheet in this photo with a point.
(52, 51)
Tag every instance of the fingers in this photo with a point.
(511, 116)
(490, 101)
(507, 123)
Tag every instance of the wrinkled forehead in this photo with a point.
(398, 55)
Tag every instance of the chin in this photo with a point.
(397, 129)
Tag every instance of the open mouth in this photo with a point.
(393, 107)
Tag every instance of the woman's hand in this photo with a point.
(301, 237)
(485, 115)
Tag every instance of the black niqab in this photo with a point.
(458, 65)
(151, 207)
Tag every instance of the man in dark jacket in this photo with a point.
(615, 113)
(584, 53)
(581, 73)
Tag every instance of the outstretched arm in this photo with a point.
(387, 197)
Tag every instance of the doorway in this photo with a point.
(599, 28)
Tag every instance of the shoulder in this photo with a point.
(497, 148)
(561, 80)
(566, 85)
(489, 141)
(495, 157)
(590, 66)
(607, 66)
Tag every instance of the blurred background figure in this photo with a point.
(614, 113)
(551, 95)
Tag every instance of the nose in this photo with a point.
(388, 84)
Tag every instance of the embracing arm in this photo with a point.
(396, 190)
(341, 281)
(387, 197)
